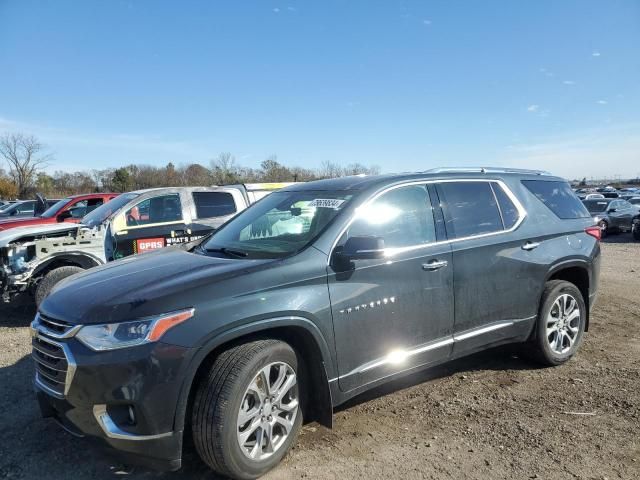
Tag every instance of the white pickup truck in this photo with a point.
(34, 259)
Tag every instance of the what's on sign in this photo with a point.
(147, 244)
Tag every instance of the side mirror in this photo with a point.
(357, 248)
(64, 215)
(612, 210)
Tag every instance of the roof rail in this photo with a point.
(486, 170)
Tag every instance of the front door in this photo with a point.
(152, 223)
(393, 313)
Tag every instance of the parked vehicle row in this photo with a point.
(313, 295)
(35, 258)
(615, 215)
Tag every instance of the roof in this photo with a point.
(362, 182)
(89, 195)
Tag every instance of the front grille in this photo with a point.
(51, 364)
(58, 327)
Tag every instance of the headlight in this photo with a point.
(17, 258)
(111, 336)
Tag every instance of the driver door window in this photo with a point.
(401, 217)
(155, 210)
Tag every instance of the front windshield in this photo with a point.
(596, 206)
(11, 207)
(105, 210)
(5, 206)
(279, 225)
(52, 211)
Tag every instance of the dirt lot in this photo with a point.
(492, 415)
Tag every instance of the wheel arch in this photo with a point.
(578, 273)
(76, 259)
(300, 333)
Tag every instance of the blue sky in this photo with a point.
(406, 85)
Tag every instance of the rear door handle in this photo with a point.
(434, 265)
(530, 246)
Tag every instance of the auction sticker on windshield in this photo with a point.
(325, 203)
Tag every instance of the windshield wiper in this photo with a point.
(227, 251)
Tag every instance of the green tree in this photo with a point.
(122, 180)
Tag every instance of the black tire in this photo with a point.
(51, 279)
(635, 230)
(539, 348)
(218, 400)
(604, 228)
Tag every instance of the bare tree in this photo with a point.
(224, 169)
(24, 155)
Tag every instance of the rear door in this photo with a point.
(154, 222)
(492, 280)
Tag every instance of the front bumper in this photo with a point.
(124, 399)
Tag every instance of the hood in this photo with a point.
(140, 286)
(13, 234)
(6, 223)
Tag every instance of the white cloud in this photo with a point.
(427, 22)
(569, 82)
(292, 9)
(602, 102)
(595, 54)
(276, 10)
(533, 108)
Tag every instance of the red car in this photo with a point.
(70, 209)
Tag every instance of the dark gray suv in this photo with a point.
(313, 295)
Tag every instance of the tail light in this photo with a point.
(594, 231)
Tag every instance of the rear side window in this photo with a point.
(559, 197)
(508, 210)
(214, 204)
(470, 208)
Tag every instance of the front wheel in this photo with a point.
(247, 411)
(560, 326)
(51, 279)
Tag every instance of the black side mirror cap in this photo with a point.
(360, 248)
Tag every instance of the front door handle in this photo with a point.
(530, 246)
(434, 265)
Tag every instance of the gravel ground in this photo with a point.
(491, 415)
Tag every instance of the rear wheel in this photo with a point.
(247, 411)
(560, 326)
(51, 279)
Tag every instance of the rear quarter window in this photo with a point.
(558, 197)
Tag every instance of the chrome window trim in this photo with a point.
(389, 252)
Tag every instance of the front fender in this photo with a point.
(325, 370)
(82, 259)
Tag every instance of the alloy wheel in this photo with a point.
(563, 323)
(268, 411)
